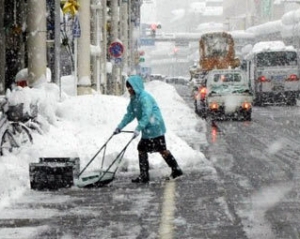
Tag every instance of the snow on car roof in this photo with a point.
(271, 46)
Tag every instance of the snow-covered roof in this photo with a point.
(271, 46)
(242, 34)
(291, 18)
(287, 26)
(210, 26)
(266, 28)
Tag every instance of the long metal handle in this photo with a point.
(118, 158)
(104, 145)
(127, 131)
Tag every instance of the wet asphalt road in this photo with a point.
(253, 192)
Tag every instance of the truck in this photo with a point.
(273, 70)
(228, 95)
(216, 51)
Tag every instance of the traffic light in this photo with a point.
(153, 28)
(175, 50)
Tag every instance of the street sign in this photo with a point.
(117, 60)
(116, 49)
(76, 31)
(147, 42)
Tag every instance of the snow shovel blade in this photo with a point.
(94, 179)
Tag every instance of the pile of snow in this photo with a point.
(80, 125)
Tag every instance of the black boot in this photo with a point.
(144, 168)
(171, 161)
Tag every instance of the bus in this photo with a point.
(273, 69)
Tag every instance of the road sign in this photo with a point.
(76, 31)
(116, 49)
(117, 60)
(147, 42)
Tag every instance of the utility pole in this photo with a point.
(124, 37)
(84, 52)
(103, 63)
(115, 84)
(57, 70)
(96, 39)
(36, 21)
(2, 49)
(130, 39)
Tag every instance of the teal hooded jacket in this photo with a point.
(144, 108)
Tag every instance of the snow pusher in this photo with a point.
(101, 177)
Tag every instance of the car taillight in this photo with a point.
(292, 77)
(203, 92)
(246, 105)
(22, 83)
(262, 79)
(214, 106)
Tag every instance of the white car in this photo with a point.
(228, 95)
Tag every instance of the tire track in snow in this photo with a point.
(253, 218)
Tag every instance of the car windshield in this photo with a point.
(226, 78)
(281, 58)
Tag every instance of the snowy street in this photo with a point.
(246, 186)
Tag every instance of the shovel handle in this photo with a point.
(127, 131)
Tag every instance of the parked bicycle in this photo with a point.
(13, 132)
(16, 113)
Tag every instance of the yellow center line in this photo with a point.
(168, 209)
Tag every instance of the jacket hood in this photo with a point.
(137, 83)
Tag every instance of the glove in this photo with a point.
(117, 131)
(136, 133)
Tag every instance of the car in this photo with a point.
(228, 95)
(156, 77)
(199, 93)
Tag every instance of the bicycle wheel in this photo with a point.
(15, 136)
(35, 125)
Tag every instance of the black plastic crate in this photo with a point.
(74, 162)
(50, 176)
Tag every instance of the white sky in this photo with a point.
(79, 126)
